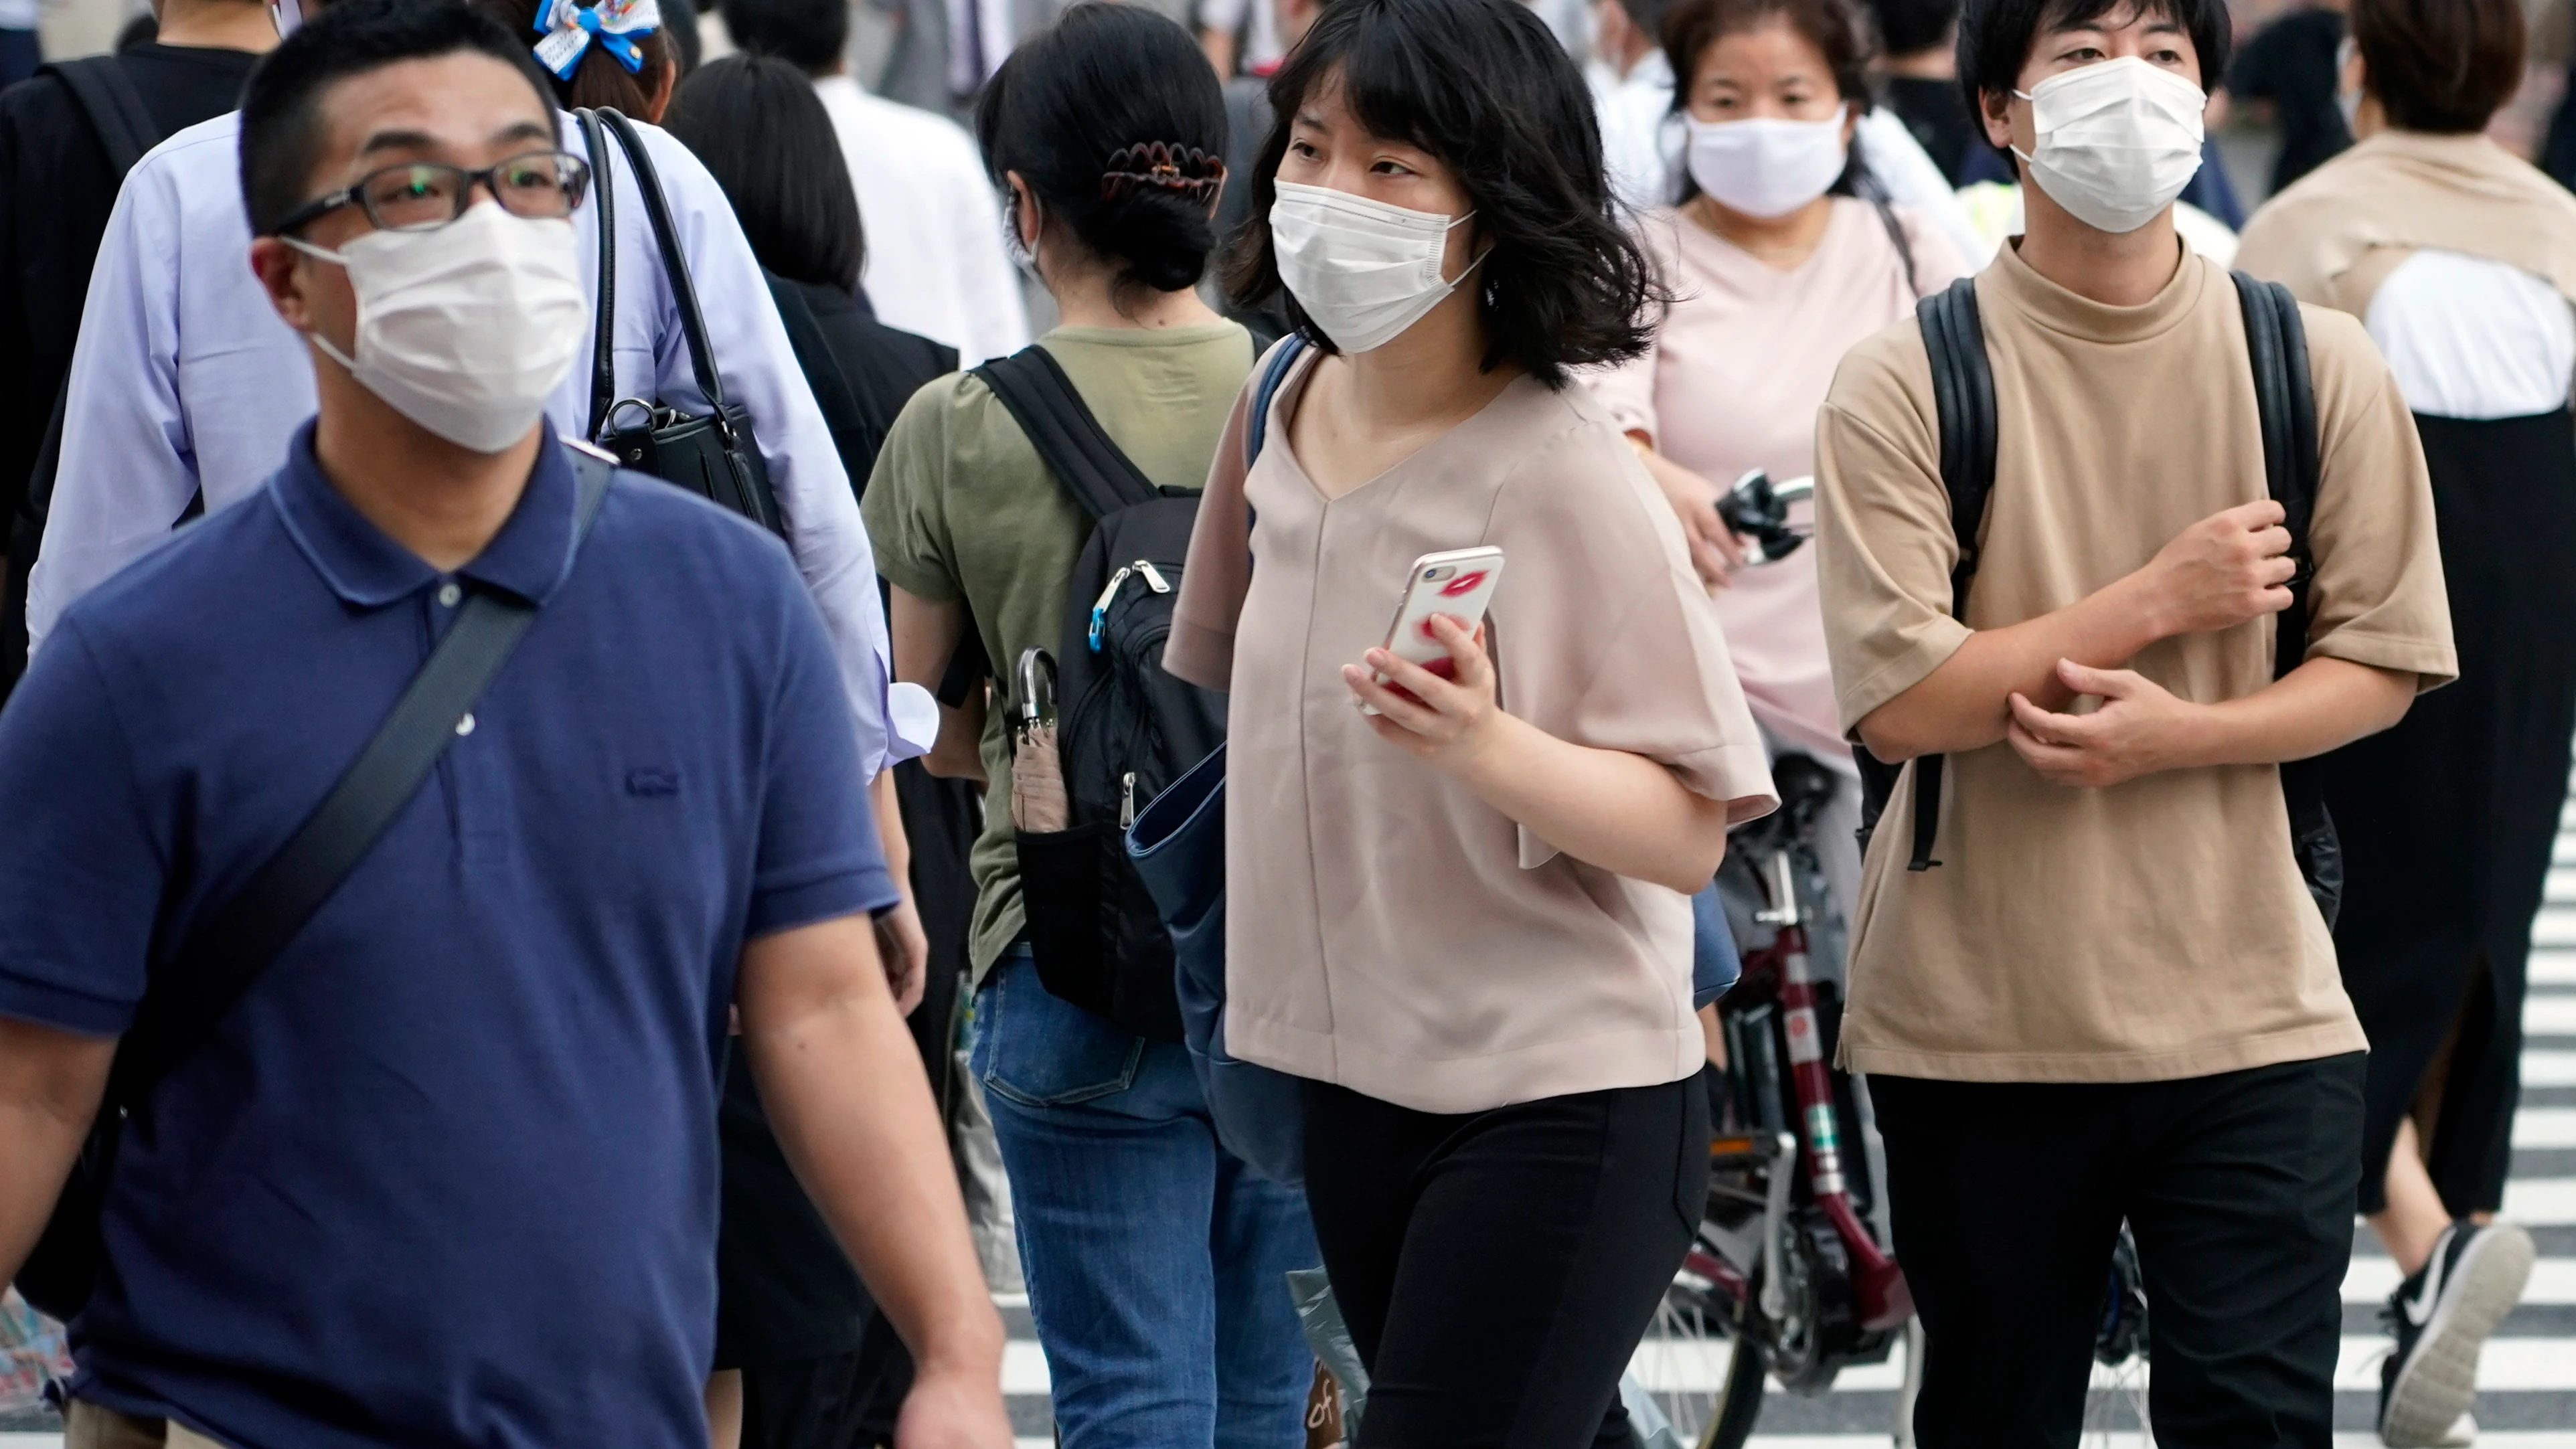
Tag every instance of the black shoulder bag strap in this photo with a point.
(603, 330)
(2276, 344)
(232, 943)
(236, 940)
(1059, 424)
(1963, 395)
(675, 263)
(115, 108)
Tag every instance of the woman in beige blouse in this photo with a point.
(1463, 918)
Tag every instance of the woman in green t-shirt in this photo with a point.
(1155, 1258)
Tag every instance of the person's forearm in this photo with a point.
(846, 1096)
(50, 1085)
(891, 838)
(1608, 808)
(927, 635)
(1964, 704)
(2322, 705)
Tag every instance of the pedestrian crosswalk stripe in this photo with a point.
(2549, 1013)
(2538, 1127)
(2548, 1069)
(2371, 1279)
(2509, 1365)
(2555, 926)
(2124, 1439)
(2541, 1201)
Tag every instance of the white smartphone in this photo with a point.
(1459, 583)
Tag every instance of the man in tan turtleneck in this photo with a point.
(2114, 999)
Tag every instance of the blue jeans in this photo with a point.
(1155, 1258)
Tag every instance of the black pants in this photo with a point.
(845, 1401)
(1497, 1268)
(2007, 1197)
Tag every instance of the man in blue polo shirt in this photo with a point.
(446, 1174)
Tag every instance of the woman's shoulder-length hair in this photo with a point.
(1483, 86)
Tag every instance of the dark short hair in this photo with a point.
(687, 46)
(599, 79)
(1484, 87)
(756, 122)
(1076, 110)
(1646, 15)
(2443, 66)
(1996, 36)
(810, 34)
(281, 120)
(1836, 28)
(1910, 27)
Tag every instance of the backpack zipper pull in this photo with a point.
(1100, 606)
(1153, 576)
(1127, 800)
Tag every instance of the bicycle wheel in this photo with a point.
(1706, 1380)
(1739, 1401)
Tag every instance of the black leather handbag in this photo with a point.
(714, 454)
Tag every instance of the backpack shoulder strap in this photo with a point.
(1274, 374)
(1963, 392)
(1059, 424)
(116, 111)
(1963, 397)
(2276, 344)
(233, 941)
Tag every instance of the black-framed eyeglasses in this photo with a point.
(426, 195)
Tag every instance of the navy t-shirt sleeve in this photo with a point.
(81, 868)
(818, 845)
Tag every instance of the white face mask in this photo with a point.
(2115, 142)
(465, 330)
(1765, 166)
(1363, 270)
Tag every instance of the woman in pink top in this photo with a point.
(1777, 265)
(1463, 919)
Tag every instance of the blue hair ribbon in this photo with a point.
(569, 28)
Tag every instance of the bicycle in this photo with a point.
(1786, 1265)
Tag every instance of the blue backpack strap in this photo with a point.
(1274, 372)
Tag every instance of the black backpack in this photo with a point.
(1124, 727)
(1963, 392)
(115, 109)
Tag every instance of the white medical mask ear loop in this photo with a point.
(1023, 255)
(347, 363)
